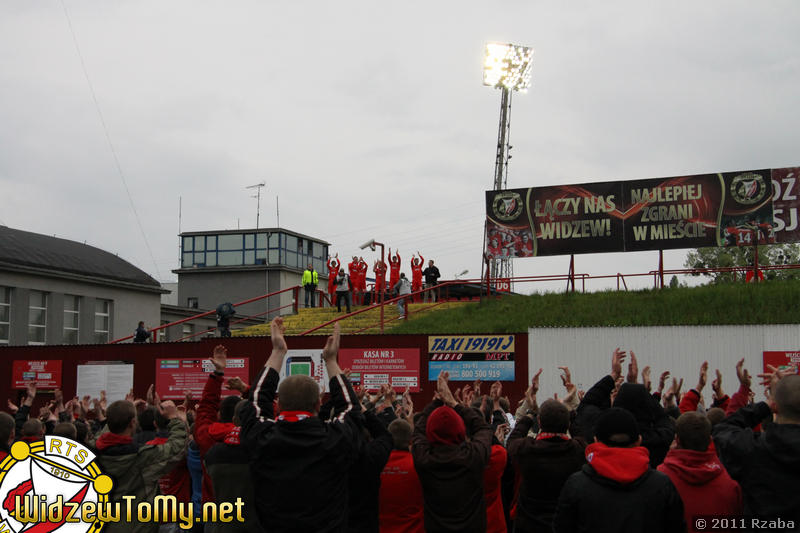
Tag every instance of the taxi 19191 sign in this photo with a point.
(471, 357)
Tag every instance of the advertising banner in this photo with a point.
(176, 377)
(653, 214)
(787, 360)
(398, 367)
(471, 357)
(46, 374)
(785, 202)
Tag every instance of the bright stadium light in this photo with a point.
(508, 66)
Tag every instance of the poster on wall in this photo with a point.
(783, 360)
(471, 357)
(373, 367)
(176, 377)
(721, 209)
(307, 363)
(46, 374)
(114, 378)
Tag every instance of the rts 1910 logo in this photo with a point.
(52, 485)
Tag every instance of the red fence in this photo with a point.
(144, 356)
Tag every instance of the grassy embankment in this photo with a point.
(773, 302)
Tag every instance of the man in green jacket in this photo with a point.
(135, 469)
(310, 281)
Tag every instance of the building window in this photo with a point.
(187, 330)
(102, 320)
(5, 314)
(72, 309)
(37, 317)
(192, 302)
(162, 333)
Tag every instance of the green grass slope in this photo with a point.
(774, 302)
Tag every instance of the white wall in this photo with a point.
(679, 349)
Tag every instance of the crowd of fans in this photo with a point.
(623, 456)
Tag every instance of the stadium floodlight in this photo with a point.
(508, 66)
(369, 244)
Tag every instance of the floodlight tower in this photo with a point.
(506, 67)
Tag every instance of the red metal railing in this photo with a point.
(295, 290)
(442, 292)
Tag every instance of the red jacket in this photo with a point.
(703, 483)
(401, 503)
(207, 414)
(495, 518)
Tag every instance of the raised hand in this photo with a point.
(617, 359)
(12, 407)
(716, 385)
(495, 391)
(276, 330)
(771, 378)
(501, 432)
(566, 379)
(703, 378)
(662, 381)
(31, 390)
(150, 396)
(443, 388)
(219, 358)
(646, 378)
(633, 368)
(236, 383)
(743, 374)
(331, 349)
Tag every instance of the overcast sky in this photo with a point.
(369, 119)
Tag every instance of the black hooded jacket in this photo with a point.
(618, 492)
(655, 426)
(766, 465)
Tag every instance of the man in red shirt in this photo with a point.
(416, 274)
(401, 503)
(380, 277)
(352, 269)
(394, 267)
(333, 271)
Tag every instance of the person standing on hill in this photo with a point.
(432, 276)
(416, 274)
(310, 281)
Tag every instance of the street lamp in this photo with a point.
(506, 67)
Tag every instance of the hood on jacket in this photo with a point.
(692, 467)
(623, 465)
(634, 398)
